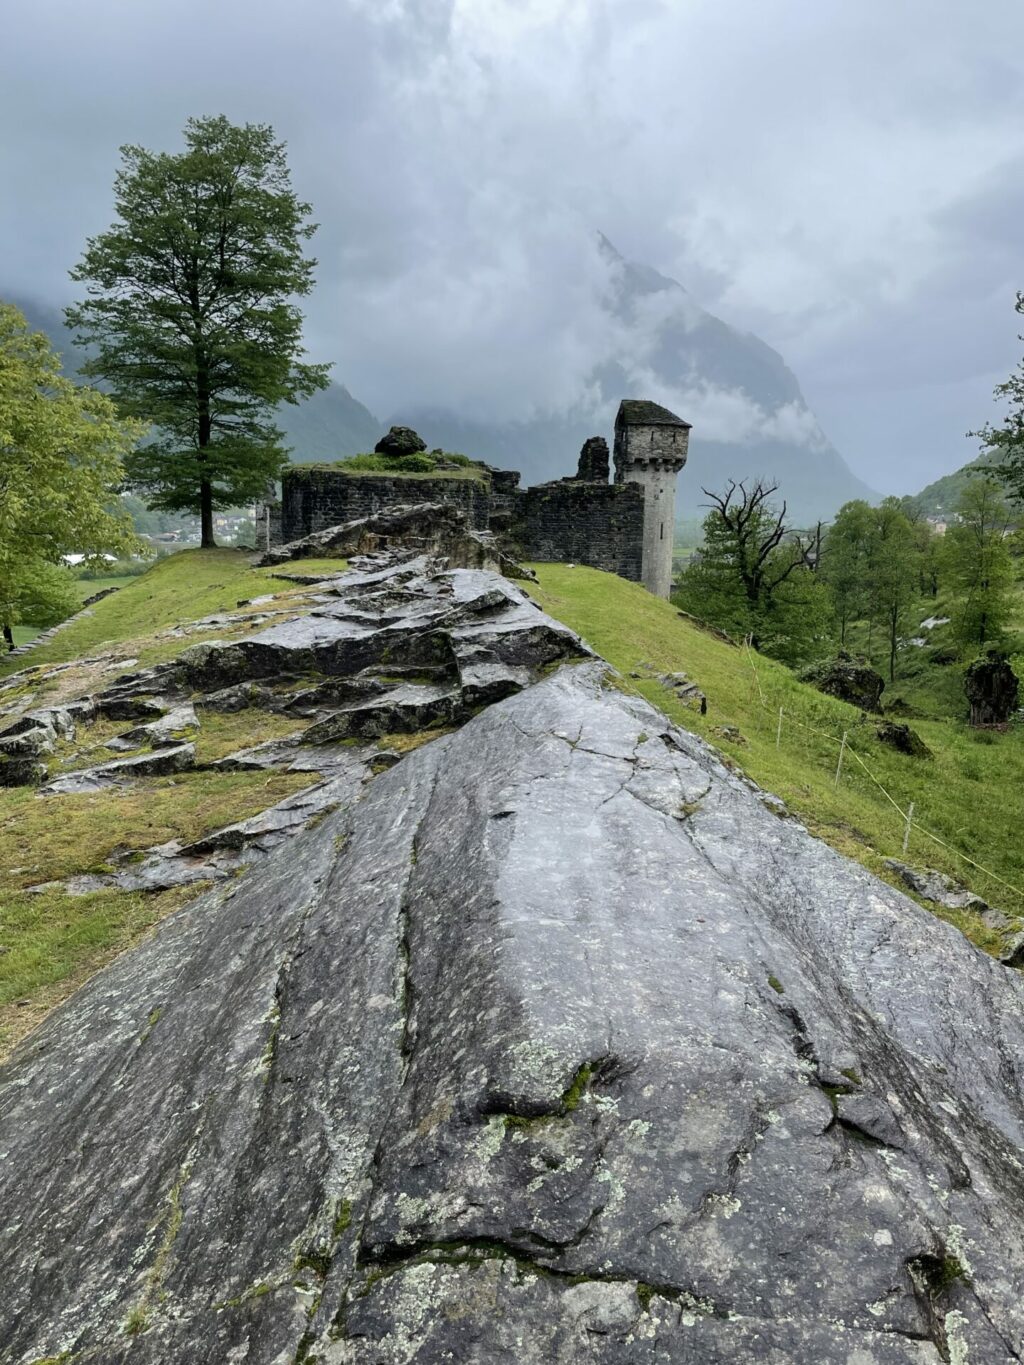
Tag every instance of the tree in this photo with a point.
(892, 572)
(1004, 445)
(753, 577)
(979, 566)
(844, 562)
(190, 315)
(61, 453)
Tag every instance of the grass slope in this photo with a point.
(49, 941)
(969, 795)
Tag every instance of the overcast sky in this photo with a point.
(843, 179)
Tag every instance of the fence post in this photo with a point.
(842, 750)
(906, 832)
(778, 732)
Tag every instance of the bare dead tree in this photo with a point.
(756, 529)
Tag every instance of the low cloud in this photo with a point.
(819, 175)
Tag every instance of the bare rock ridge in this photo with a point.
(551, 1042)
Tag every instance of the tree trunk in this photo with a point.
(893, 628)
(207, 541)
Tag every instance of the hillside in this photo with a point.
(939, 499)
(144, 624)
(503, 1021)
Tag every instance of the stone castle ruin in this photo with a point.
(624, 526)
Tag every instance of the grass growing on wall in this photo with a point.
(969, 794)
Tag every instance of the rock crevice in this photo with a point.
(549, 1042)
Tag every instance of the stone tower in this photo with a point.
(650, 449)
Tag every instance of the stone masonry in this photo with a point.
(650, 450)
(625, 527)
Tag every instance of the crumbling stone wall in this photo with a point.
(313, 499)
(570, 521)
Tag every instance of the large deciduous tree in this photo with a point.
(61, 453)
(845, 559)
(979, 566)
(754, 577)
(892, 573)
(190, 315)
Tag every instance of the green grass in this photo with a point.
(179, 588)
(85, 588)
(970, 795)
(421, 465)
(50, 942)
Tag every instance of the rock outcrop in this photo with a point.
(992, 688)
(552, 1042)
(849, 679)
(899, 736)
(437, 529)
(400, 441)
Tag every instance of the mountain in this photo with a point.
(749, 415)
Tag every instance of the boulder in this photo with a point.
(551, 1043)
(400, 441)
(849, 679)
(898, 735)
(992, 687)
(593, 464)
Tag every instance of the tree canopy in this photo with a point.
(1003, 445)
(754, 577)
(61, 453)
(190, 314)
(978, 565)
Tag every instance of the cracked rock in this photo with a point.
(527, 1051)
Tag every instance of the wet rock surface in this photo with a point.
(430, 646)
(437, 529)
(551, 1042)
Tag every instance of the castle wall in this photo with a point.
(601, 525)
(313, 499)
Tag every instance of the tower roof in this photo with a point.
(638, 412)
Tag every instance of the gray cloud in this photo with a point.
(842, 180)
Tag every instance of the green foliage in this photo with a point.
(190, 316)
(979, 567)
(46, 595)
(422, 462)
(1003, 446)
(752, 579)
(61, 452)
(892, 578)
(844, 563)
